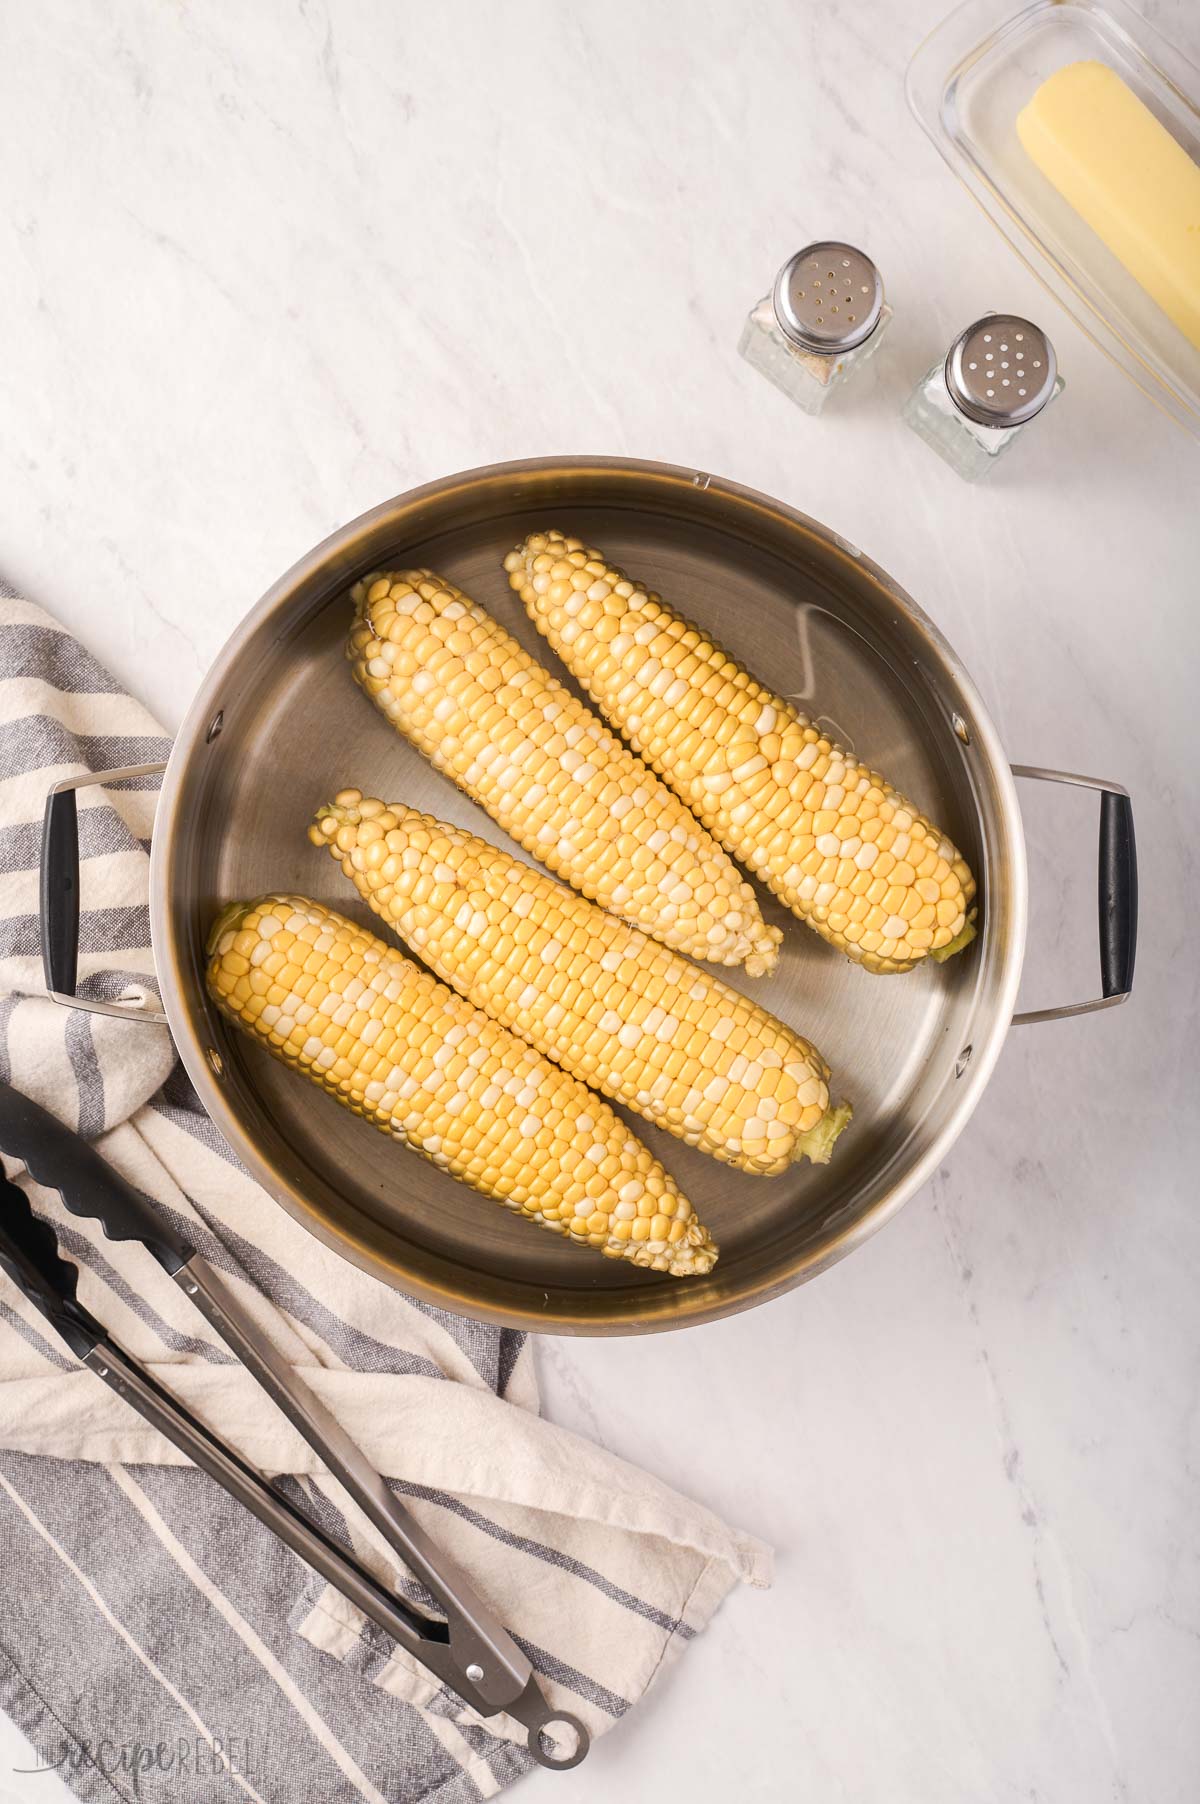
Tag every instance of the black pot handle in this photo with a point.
(59, 897)
(1117, 895)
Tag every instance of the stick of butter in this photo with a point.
(1126, 177)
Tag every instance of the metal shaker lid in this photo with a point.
(1001, 370)
(828, 298)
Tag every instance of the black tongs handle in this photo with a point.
(63, 1161)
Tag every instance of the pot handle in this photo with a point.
(59, 898)
(1117, 895)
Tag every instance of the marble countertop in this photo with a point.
(264, 267)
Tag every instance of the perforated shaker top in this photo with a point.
(1001, 370)
(828, 298)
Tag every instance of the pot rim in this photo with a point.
(1010, 860)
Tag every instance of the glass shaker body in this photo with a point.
(824, 319)
(972, 406)
(806, 377)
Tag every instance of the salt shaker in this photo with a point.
(822, 321)
(996, 377)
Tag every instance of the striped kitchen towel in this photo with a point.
(155, 1641)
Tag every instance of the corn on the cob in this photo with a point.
(415, 1060)
(633, 1019)
(488, 716)
(830, 837)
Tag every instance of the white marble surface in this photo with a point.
(264, 266)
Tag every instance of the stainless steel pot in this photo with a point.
(278, 726)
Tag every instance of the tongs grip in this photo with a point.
(63, 1161)
(29, 1254)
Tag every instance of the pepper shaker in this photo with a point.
(823, 320)
(996, 377)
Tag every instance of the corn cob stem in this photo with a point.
(631, 1018)
(831, 838)
(415, 1060)
(486, 714)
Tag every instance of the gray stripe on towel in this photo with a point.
(101, 832)
(81, 1050)
(99, 986)
(512, 1341)
(29, 650)
(199, 1126)
(124, 929)
(51, 1350)
(39, 741)
(482, 1344)
(507, 1760)
(8, 1006)
(551, 1667)
(551, 1555)
(228, 1251)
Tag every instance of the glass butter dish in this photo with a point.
(967, 84)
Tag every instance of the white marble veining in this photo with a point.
(264, 266)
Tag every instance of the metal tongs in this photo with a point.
(470, 1652)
